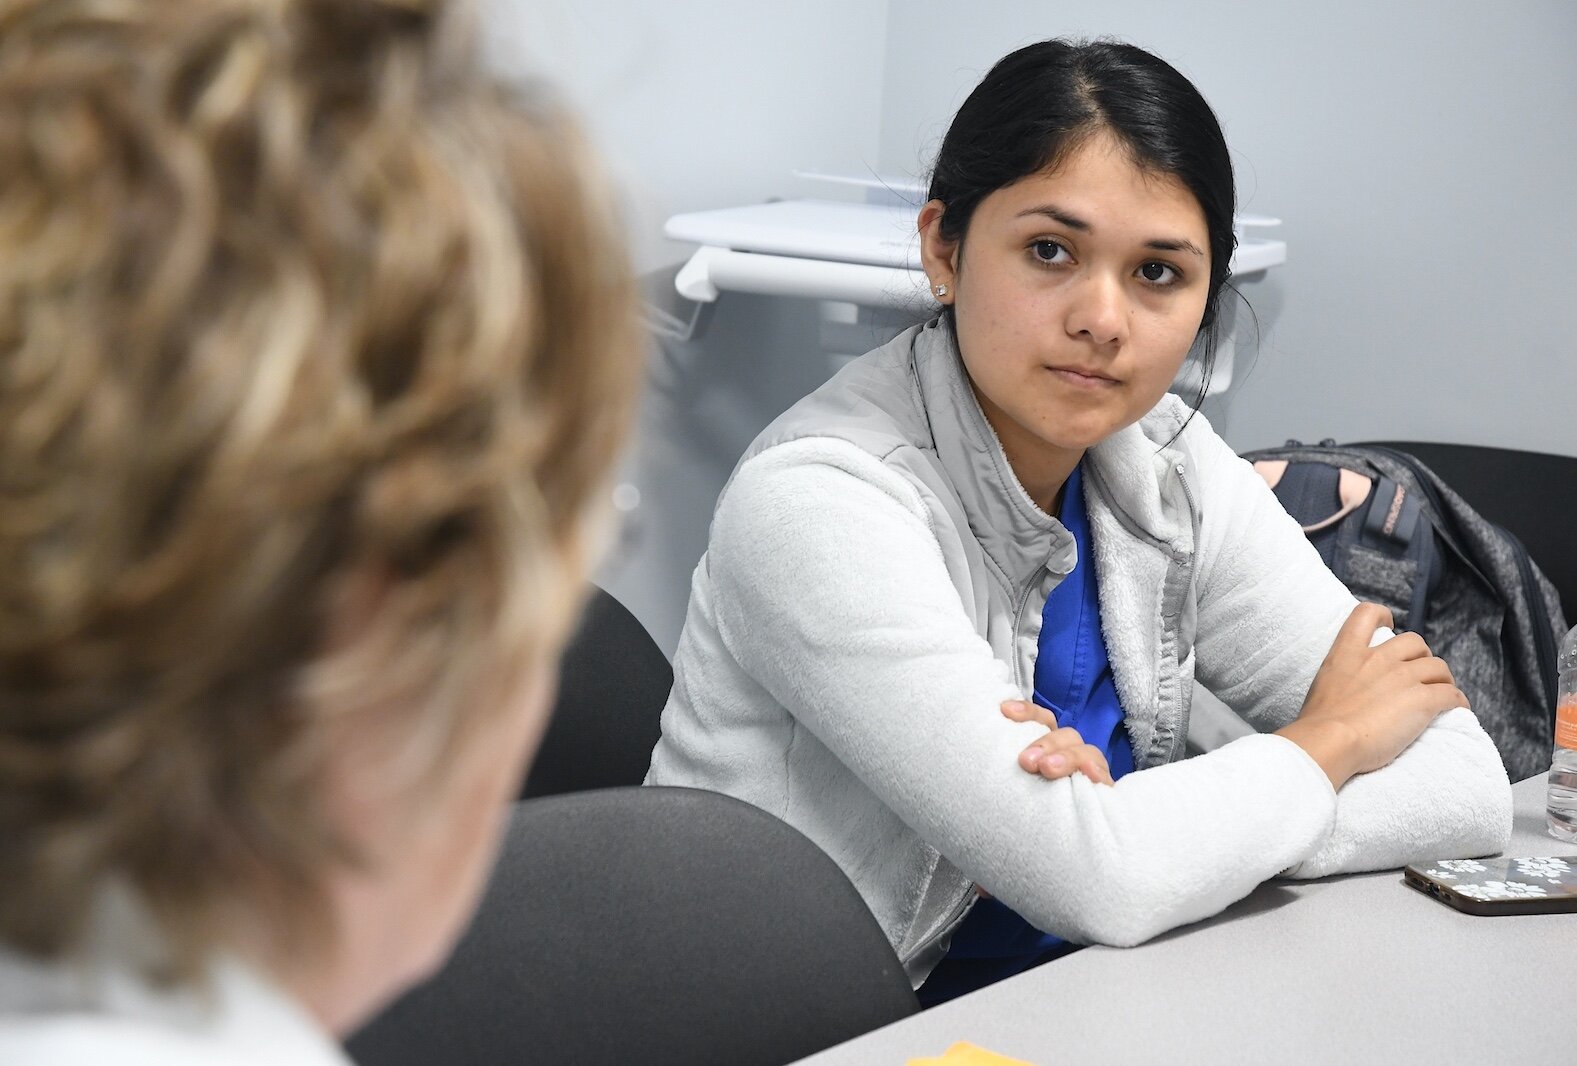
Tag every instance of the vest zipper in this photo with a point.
(1193, 508)
(1018, 622)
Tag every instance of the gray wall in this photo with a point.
(1422, 154)
(698, 104)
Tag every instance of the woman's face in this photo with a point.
(1077, 293)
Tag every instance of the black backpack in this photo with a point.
(1395, 534)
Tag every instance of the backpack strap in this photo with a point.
(1352, 489)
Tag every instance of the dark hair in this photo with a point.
(1044, 100)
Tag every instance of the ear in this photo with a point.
(938, 256)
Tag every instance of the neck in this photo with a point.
(310, 978)
(1042, 469)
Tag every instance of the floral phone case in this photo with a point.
(1500, 886)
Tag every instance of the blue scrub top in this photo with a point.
(1073, 679)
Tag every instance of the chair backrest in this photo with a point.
(1530, 494)
(613, 683)
(651, 926)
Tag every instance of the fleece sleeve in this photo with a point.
(1269, 611)
(831, 591)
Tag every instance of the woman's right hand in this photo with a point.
(1369, 703)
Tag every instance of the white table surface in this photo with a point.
(1350, 969)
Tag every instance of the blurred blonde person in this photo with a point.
(316, 348)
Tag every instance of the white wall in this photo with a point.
(700, 104)
(1422, 154)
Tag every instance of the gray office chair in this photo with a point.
(655, 926)
(613, 683)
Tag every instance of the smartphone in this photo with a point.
(1545, 885)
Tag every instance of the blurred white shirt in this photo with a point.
(103, 1006)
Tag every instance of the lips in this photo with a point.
(1083, 376)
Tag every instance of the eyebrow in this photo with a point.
(1057, 214)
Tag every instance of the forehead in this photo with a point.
(1098, 182)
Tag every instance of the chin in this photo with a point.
(1080, 434)
(1085, 429)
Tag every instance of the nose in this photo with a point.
(1099, 310)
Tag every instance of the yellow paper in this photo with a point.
(967, 1054)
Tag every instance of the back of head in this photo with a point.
(295, 300)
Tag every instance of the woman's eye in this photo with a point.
(1158, 273)
(1049, 252)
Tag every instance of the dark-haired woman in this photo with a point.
(953, 598)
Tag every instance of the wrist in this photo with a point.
(1329, 744)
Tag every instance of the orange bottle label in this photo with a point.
(1566, 724)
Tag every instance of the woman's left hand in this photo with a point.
(1060, 752)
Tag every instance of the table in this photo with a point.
(1358, 968)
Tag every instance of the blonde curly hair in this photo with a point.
(291, 292)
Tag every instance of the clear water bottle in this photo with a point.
(1562, 804)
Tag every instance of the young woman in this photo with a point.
(316, 348)
(1000, 523)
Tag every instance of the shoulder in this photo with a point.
(1171, 423)
(1167, 419)
(812, 478)
(873, 403)
(807, 533)
(1174, 426)
(109, 1010)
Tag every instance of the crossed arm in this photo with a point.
(832, 593)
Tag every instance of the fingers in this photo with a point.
(1080, 758)
(1025, 711)
(1432, 670)
(1411, 654)
(1405, 647)
(1444, 697)
(1431, 701)
(1361, 624)
(1061, 751)
(1053, 745)
(1091, 762)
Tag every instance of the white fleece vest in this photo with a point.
(872, 591)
